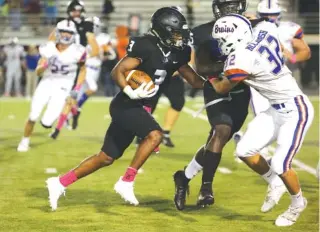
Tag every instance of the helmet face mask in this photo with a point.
(66, 32)
(170, 27)
(221, 8)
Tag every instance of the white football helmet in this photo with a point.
(269, 8)
(231, 31)
(66, 26)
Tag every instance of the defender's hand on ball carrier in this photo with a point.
(140, 85)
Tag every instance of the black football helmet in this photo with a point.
(171, 28)
(76, 5)
(224, 7)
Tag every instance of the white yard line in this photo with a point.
(51, 170)
(296, 162)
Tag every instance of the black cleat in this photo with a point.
(167, 142)
(181, 189)
(205, 197)
(55, 134)
(75, 121)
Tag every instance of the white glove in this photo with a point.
(141, 92)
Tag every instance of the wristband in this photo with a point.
(77, 87)
(293, 59)
(45, 65)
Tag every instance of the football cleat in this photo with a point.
(23, 146)
(291, 215)
(274, 193)
(55, 189)
(75, 119)
(167, 141)
(125, 190)
(205, 197)
(55, 134)
(181, 189)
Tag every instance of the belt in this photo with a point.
(93, 67)
(278, 106)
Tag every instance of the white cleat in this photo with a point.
(289, 217)
(125, 189)
(23, 146)
(55, 189)
(274, 193)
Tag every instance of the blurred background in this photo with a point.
(31, 21)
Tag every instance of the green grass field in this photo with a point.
(92, 205)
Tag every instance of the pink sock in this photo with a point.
(148, 109)
(74, 110)
(68, 178)
(62, 119)
(129, 175)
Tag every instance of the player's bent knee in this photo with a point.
(277, 165)
(178, 103)
(46, 125)
(105, 159)
(93, 87)
(155, 136)
(222, 133)
(242, 150)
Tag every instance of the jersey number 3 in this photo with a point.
(159, 75)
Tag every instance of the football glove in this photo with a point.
(141, 92)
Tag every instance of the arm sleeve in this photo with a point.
(185, 56)
(299, 33)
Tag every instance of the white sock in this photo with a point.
(25, 140)
(297, 200)
(192, 169)
(272, 178)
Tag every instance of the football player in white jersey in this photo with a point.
(294, 49)
(93, 66)
(58, 67)
(287, 119)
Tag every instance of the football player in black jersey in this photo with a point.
(159, 53)
(226, 117)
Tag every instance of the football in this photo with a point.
(136, 77)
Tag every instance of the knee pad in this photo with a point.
(93, 86)
(242, 150)
(45, 126)
(277, 165)
(177, 103)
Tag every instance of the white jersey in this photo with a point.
(13, 56)
(288, 31)
(62, 65)
(102, 40)
(262, 64)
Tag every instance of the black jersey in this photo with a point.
(82, 29)
(157, 61)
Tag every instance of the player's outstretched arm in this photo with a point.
(223, 85)
(93, 44)
(82, 75)
(194, 79)
(302, 50)
(42, 66)
(124, 65)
